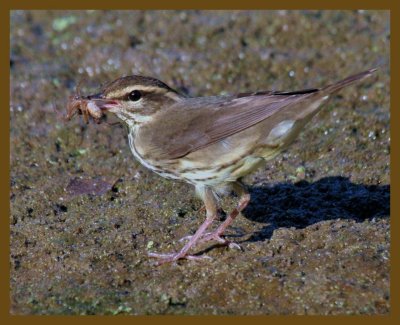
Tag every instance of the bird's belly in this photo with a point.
(216, 175)
(238, 155)
(245, 166)
(164, 172)
(222, 162)
(227, 160)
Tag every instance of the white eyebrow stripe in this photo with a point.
(174, 96)
(127, 90)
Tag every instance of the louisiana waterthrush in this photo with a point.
(209, 142)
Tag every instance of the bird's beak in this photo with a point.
(103, 103)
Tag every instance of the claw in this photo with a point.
(219, 239)
(189, 237)
(213, 236)
(232, 245)
(185, 238)
(201, 236)
(172, 257)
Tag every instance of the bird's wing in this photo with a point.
(199, 122)
(180, 130)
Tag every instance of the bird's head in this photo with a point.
(135, 99)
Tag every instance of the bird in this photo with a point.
(209, 142)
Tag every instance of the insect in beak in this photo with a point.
(89, 106)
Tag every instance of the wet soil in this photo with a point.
(84, 213)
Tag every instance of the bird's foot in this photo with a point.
(217, 237)
(214, 236)
(172, 257)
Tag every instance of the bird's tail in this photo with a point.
(348, 81)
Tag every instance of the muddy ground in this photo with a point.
(84, 213)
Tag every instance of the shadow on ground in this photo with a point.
(302, 204)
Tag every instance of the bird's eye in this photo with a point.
(135, 95)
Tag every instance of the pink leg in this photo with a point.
(244, 200)
(211, 208)
(216, 235)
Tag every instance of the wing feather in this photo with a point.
(205, 123)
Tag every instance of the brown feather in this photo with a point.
(205, 121)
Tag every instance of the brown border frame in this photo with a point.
(7, 5)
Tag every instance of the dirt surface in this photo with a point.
(84, 213)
